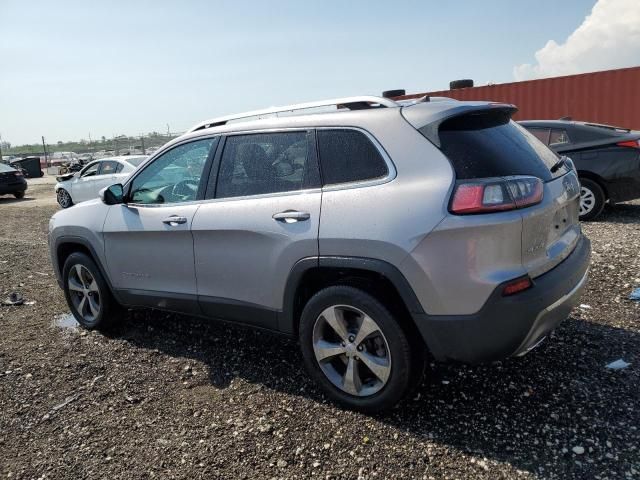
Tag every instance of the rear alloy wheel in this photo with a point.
(356, 350)
(592, 199)
(64, 199)
(19, 195)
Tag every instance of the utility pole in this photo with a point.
(168, 131)
(46, 157)
(144, 151)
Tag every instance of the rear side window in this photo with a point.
(348, 156)
(558, 137)
(108, 168)
(267, 163)
(541, 134)
(489, 144)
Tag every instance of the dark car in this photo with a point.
(607, 159)
(12, 181)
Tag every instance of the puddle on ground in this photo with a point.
(66, 320)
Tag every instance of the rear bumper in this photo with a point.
(14, 187)
(508, 326)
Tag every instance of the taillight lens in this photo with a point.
(496, 194)
(18, 173)
(629, 143)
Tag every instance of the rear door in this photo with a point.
(261, 218)
(148, 242)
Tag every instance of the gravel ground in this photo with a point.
(166, 396)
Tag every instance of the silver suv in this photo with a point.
(379, 233)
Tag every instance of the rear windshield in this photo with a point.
(6, 168)
(490, 144)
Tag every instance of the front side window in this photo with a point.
(558, 137)
(174, 176)
(348, 156)
(90, 170)
(266, 163)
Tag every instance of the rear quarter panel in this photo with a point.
(389, 220)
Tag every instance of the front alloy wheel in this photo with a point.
(64, 199)
(84, 293)
(88, 294)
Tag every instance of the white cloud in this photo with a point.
(608, 38)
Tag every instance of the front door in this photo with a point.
(84, 185)
(148, 242)
(262, 219)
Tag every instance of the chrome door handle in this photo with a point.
(174, 220)
(291, 216)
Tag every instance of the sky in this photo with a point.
(73, 69)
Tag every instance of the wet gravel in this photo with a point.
(166, 396)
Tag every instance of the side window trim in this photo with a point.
(205, 172)
(391, 168)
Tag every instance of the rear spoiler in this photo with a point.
(428, 120)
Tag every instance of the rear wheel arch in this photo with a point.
(595, 178)
(376, 277)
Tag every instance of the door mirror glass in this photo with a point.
(112, 195)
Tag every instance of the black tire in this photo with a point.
(406, 365)
(394, 93)
(63, 198)
(592, 197)
(19, 194)
(464, 83)
(109, 311)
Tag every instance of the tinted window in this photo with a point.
(174, 176)
(266, 163)
(541, 134)
(348, 156)
(558, 137)
(6, 168)
(490, 145)
(108, 168)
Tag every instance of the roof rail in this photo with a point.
(352, 103)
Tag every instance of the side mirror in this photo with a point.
(112, 195)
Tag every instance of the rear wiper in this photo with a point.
(556, 166)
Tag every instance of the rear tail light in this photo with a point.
(517, 285)
(630, 144)
(18, 173)
(496, 194)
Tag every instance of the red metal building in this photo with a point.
(611, 97)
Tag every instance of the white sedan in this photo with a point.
(85, 184)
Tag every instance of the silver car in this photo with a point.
(379, 233)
